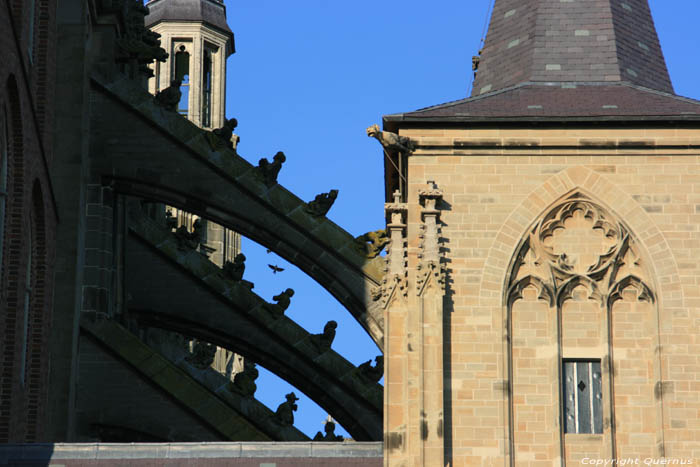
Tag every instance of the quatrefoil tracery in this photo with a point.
(578, 243)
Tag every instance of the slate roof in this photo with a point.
(574, 40)
(211, 12)
(561, 101)
(567, 59)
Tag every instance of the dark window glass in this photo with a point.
(206, 89)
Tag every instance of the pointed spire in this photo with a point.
(584, 41)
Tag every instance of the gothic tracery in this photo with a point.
(578, 243)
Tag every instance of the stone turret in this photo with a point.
(197, 37)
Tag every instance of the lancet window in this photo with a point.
(579, 301)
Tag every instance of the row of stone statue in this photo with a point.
(223, 137)
(202, 356)
(244, 382)
(370, 244)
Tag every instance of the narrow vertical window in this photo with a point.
(157, 76)
(30, 36)
(206, 88)
(182, 73)
(583, 396)
(27, 307)
(3, 187)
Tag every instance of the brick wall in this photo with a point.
(29, 203)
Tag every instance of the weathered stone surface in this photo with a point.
(172, 380)
(221, 186)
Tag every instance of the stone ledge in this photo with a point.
(45, 451)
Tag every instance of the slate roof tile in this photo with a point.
(577, 35)
(563, 100)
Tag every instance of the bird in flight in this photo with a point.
(275, 268)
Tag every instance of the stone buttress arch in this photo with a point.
(173, 162)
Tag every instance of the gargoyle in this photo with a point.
(186, 239)
(202, 354)
(283, 301)
(372, 373)
(221, 137)
(234, 270)
(269, 170)
(322, 203)
(372, 243)
(324, 340)
(285, 411)
(169, 97)
(170, 220)
(391, 141)
(244, 382)
(330, 435)
(138, 46)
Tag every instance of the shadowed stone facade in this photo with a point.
(118, 149)
(536, 304)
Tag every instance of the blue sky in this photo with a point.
(309, 76)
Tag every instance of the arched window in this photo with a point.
(31, 5)
(13, 248)
(182, 73)
(37, 316)
(4, 137)
(581, 326)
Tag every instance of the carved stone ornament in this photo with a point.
(576, 244)
(394, 283)
(169, 97)
(283, 300)
(202, 354)
(329, 435)
(244, 382)
(222, 138)
(268, 171)
(234, 270)
(430, 265)
(391, 142)
(285, 411)
(371, 244)
(396, 211)
(323, 341)
(138, 46)
(189, 240)
(393, 286)
(372, 373)
(322, 203)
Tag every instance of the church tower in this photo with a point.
(543, 234)
(198, 41)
